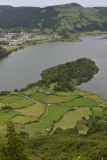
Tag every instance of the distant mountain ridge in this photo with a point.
(69, 17)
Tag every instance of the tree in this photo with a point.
(15, 149)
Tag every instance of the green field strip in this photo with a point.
(36, 110)
(11, 99)
(31, 91)
(97, 111)
(58, 99)
(6, 115)
(21, 119)
(41, 97)
(21, 103)
(80, 102)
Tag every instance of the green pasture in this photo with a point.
(23, 119)
(21, 103)
(3, 128)
(81, 101)
(82, 92)
(70, 119)
(2, 97)
(31, 90)
(59, 99)
(35, 110)
(6, 115)
(39, 97)
(95, 97)
(11, 99)
(97, 111)
(53, 114)
(1, 105)
(69, 93)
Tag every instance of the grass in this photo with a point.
(31, 90)
(95, 97)
(23, 119)
(35, 110)
(1, 105)
(52, 85)
(70, 119)
(81, 102)
(11, 99)
(82, 92)
(3, 128)
(39, 97)
(5, 115)
(2, 97)
(59, 99)
(21, 103)
(66, 93)
(97, 111)
(53, 114)
(11, 48)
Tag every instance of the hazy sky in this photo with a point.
(43, 3)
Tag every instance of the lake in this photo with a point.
(25, 66)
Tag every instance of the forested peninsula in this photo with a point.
(66, 76)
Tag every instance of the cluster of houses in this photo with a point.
(19, 38)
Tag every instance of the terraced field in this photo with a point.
(40, 110)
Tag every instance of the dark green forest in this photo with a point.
(69, 74)
(3, 52)
(70, 17)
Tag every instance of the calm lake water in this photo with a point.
(25, 66)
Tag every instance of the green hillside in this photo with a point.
(69, 17)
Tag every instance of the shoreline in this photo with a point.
(26, 45)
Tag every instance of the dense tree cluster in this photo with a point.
(70, 73)
(3, 52)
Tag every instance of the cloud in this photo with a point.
(43, 3)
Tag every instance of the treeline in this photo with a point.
(62, 145)
(69, 145)
(3, 52)
(67, 75)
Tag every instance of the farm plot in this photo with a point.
(95, 97)
(35, 110)
(3, 129)
(21, 103)
(5, 115)
(11, 99)
(39, 97)
(44, 90)
(53, 114)
(97, 111)
(31, 90)
(82, 92)
(81, 101)
(59, 99)
(23, 119)
(70, 119)
(66, 93)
